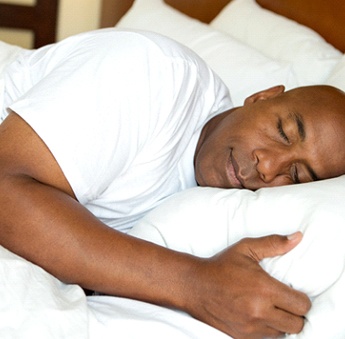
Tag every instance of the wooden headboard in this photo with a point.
(203, 10)
(41, 19)
(327, 17)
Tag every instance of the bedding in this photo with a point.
(203, 221)
(280, 52)
(243, 69)
(35, 304)
(280, 38)
(8, 53)
(337, 75)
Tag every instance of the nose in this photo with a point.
(271, 164)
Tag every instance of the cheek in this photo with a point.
(203, 163)
(205, 173)
(209, 155)
(335, 166)
(210, 163)
(244, 146)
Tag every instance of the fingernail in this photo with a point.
(292, 236)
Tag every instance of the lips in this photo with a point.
(232, 170)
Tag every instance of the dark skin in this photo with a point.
(277, 138)
(42, 221)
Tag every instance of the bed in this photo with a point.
(40, 18)
(251, 45)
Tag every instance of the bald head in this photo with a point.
(320, 97)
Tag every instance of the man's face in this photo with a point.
(275, 139)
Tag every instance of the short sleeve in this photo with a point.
(102, 98)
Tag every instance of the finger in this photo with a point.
(272, 245)
(292, 301)
(271, 333)
(286, 298)
(258, 333)
(286, 322)
(256, 328)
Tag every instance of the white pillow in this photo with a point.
(7, 54)
(243, 69)
(203, 221)
(337, 76)
(279, 38)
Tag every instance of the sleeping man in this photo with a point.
(99, 129)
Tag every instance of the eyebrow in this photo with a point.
(300, 125)
(312, 173)
(302, 134)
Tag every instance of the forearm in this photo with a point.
(51, 229)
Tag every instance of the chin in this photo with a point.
(210, 179)
(203, 183)
(212, 183)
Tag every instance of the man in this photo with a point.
(105, 125)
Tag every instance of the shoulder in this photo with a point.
(138, 43)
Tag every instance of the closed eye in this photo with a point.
(281, 131)
(294, 175)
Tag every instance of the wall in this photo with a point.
(113, 10)
(75, 16)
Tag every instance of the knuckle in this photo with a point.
(297, 326)
(256, 311)
(304, 304)
(243, 243)
(274, 241)
(307, 305)
(247, 330)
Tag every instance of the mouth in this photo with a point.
(232, 170)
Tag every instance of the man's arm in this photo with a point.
(41, 220)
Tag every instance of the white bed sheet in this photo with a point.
(34, 304)
(130, 319)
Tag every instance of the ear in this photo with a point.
(265, 94)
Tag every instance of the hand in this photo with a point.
(235, 295)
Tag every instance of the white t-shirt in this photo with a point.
(121, 111)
